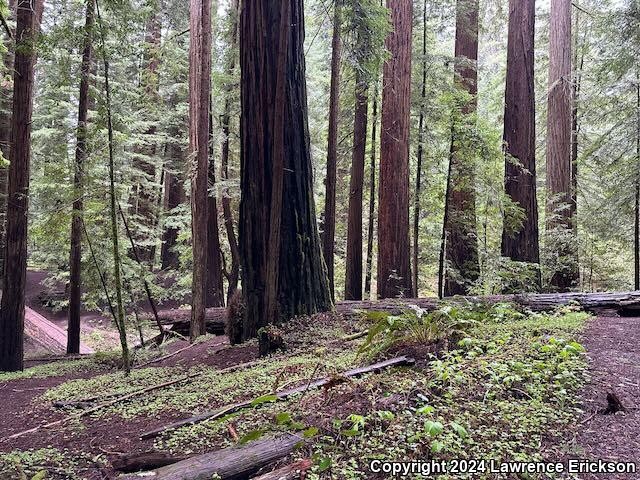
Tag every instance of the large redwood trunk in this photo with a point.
(15, 271)
(75, 256)
(459, 253)
(329, 233)
(283, 270)
(394, 271)
(521, 242)
(199, 98)
(559, 113)
(353, 281)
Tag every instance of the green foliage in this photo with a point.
(415, 326)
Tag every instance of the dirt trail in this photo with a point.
(613, 347)
(47, 334)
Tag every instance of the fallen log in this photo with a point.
(290, 472)
(232, 408)
(138, 462)
(234, 463)
(621, 302)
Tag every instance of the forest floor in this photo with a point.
(518, 386)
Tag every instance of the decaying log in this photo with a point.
(228, 409)
(234, 463)
(594, 302)
(138, 462)
(290, 472)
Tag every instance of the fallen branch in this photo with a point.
(232, 408)
(166, 357)
(137, 462)
(593, 302)
(290, 472)
(110, 403)
(230, 463)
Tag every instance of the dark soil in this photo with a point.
(613, 347)
(101, 439)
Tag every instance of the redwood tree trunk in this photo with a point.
(199, 97)
(394, 271)
(521, 243)
(559, 112)
(353, 281)
(15, 271)
(460, 249)
(75, 256)
(328, 236)
(283, 271)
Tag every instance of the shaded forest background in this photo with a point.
(148, 43)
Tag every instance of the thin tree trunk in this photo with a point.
(521, 242)
(328, 236)
(75, 256)
(15, 271)
(277, 210)
(353, 281)
(120, 321)
(214, 295)
(234, 272)
(420, 154)
(559, 111)
(460, 251)
(394, 249)
(372, 194)
(5, 134)
(199, 96)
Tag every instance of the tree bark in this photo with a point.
(199, 98)
(233, 274)
(231, 463)
(559, 110)
(75, 256)
(284, 274)
(394, 270)
(521, 243)
(5, 135)
(420, 154)
(372, 194)
(328, 236)
(15, 271)
(353, 281)
(460, 250)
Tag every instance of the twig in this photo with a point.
(6, 26)
(160, 359)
